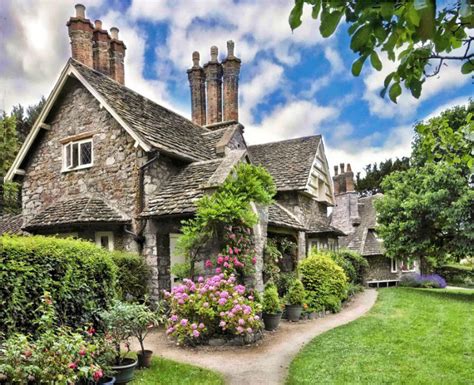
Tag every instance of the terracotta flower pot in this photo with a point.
(144, 360)
(271, 321)
(125, 371)
(293, 312)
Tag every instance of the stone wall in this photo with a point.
(113, 176)
(346, 212)
(379, 269)
(304, 207)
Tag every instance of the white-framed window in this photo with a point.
(78, 154)
(394, 265)
(408, 266)
(105, 239)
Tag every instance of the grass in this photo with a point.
(410, 336)
(165, 372)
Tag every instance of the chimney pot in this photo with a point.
(80, 11)
(231, 68)
(114, 33)
(214, 53)
(336, 170)
(196, 58)
(348, 167)
(230, 49)
(341, 166)
(98, 24)
(197, 83)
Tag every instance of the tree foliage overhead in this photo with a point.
(421, 36)
(26, 118)
(8, 143)
(371, 183)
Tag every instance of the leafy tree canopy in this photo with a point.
(8, 142)
(419, 35)
(370, 184)
(26, 119)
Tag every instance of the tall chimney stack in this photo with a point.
(197, 83)
(231, 71)
(117, 55)
(101, 48)
(349, 175)
(213, 70)
(80, 32)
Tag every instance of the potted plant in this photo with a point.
(118, 325)
(294, 301)
(144, 320)
(271, 307)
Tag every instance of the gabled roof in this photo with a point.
(289, 161)
(80, 210)
(279, 216)
(152, 126)
(364, 238)
(11, 224)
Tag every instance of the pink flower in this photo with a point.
(236, 250)
(239, 329)
(201, 326)
(220, 260)
(194, 326)
(72, 365)
(218, 270)
(257, 318)
(174, 318)
(196, 333)
(249, 330)
(205, 304)
(222, 301)
(184, 322)
(181, 301)
(82, 352)
(224, 294)
(170, 330)
(200, 279)
(208, 263)
(98, 374)
(241, 322)
(222, 324)
(231, 251)
(254, 260)
(91, 331)
(226, 265)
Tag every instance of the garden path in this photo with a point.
(265, 363)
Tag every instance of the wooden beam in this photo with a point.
(45, 126)
(20, 171)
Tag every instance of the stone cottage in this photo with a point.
(356, 217)
(106, 164)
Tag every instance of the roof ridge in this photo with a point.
(287, 140)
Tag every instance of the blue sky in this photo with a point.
(292, 84)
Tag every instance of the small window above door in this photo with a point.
(105, 239)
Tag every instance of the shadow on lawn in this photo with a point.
(453, 294)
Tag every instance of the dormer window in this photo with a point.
(78, 154)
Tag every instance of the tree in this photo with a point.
(25, 121)
(8, 142)
(370, 184)
(448, 137)
(426, 212)
(416, 34)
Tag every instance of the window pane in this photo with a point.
(86, 153)
(75, 154)
(104, 241)
(68, 156)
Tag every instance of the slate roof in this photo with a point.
(321, 227)
(179, 195)
(288, 161)
(81, 210)
(11, 224)
(364, 239)
(281, 217)
(156, 125)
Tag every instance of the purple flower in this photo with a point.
(196, 333)
(194, 326)
(241, 322)
(184, 322)
(174, 318)
(222, 324)
(201, 326)
(222, 301)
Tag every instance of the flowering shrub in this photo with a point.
(427, 281)
(216, 305)
(238, 253)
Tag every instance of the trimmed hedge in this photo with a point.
(457, 274)
(324, 281)
(133, 276)
(80, 277)
(353, 263)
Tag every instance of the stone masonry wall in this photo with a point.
(308, 210)
(115, 166)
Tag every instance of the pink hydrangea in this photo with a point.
(218, 270)
(184, 322)
(220, 260)
(196, 333)
(208, 263)
(194, 326)
(222, 301)
(205, 304)
(174, 318)
(222, 324)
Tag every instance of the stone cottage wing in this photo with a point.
(288, 161)
(364, 238)
(11, 224)
(279, 216)
(81, 210)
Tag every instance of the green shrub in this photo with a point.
(271, 301)
(353, 263)
(296, 294)
(457, 274)
(133, 276)
(325, 280)
(79, 275)
(283, 282)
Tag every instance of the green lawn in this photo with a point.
(410, 336)
(167, 372)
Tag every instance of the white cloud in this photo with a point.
(295, 119)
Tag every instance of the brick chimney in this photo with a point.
(345, 214)
(231, 72)
(117, 55)
(213, 70)
(80, 32)
(101, 48)
(197, 83)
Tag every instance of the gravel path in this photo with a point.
(265, 363)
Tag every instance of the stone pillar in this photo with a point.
(301, 245)
(80, 32)
(213, 70)
(231, 71)
(260, 239)
(150, 253)
(117, 55)
(100, 53)
(197, 83)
